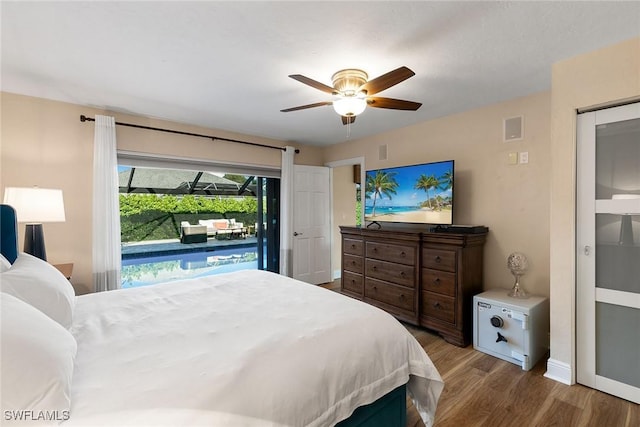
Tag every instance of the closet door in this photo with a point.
(608, 246)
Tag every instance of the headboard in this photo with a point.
(8, 233)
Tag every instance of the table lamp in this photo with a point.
(626, 226)
(35, 206)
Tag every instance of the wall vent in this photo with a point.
(513, 129)
(382, 152)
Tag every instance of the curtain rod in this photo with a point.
(84, 118)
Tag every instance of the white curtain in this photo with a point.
(106, 209)
(286, 212)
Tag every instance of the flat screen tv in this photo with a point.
(414, 194)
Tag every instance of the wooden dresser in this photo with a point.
(422, 278)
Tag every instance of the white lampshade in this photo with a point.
(625, 196)
(36, 205)
(628, 202)
(350, 105)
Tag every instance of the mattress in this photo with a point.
(250, 348)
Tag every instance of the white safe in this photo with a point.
(513, 329)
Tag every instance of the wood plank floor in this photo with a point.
(481, 390)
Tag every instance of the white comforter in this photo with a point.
(240, 349)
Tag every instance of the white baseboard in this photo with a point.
(337, 274)
(558, 371)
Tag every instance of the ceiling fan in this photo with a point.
(353, 92)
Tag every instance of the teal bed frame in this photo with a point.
(8, 233)
(388, 411)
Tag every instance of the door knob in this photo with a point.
(295, 233)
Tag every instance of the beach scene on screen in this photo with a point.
(414, 194)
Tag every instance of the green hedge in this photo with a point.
(158, 217)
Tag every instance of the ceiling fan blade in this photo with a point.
(304, 107)
(348, 119)
(393, 104)
(313, 83)
(385, 81)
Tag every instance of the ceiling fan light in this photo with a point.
(350, 106)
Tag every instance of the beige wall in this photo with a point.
(141, 140)
(343, 209)
(512, 200)
(44, 143)
(597, 78)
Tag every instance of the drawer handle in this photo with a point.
(436, 305)
(375, 288)
(436, 280)
(401, 296)
(438, 258)
(353, 263)
(402, 273)
(353, 246)
(375, 249)
(374, 268)
(402, 254)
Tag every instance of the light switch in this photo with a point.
(513, 158)
(524, 157)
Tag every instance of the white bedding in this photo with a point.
(241, 349)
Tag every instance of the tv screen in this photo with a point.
(416, 194)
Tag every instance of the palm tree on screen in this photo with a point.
(378, 185)
(426, 183)
(446, 180)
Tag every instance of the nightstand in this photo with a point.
(65, 269)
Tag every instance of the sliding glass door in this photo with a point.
(268, 230)
(183, 223)
(608, 258)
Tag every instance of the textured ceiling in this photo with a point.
(224, 65)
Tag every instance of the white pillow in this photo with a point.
(4, 264)
(40, 284)
(37, 361)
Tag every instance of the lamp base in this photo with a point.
(34, 241)
(626, 231)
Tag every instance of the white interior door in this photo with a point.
(311, 224)
(608, 245)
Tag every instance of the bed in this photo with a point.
(250, 348)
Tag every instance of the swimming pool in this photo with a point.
(156, 269)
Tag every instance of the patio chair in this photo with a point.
(192, 233)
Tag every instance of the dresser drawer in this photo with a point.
(392, 253)
(352, 282)
(387, 293)
(439, 259)
(396, 273)
(441, 282)
(438, 306)
(352, 263)
(352, 246)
